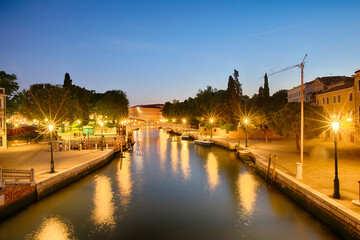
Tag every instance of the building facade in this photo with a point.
(294, 94)
(357, 105)
(338, 100)
(149, 113)
(3, 130)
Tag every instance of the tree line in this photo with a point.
(59, 103)
(229, 108)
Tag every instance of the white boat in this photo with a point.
(185, 136)
(203, 142)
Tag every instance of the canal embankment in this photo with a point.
(15, 197)
(344, 221)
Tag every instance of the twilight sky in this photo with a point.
(157, 51)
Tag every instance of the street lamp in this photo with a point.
(335, 126)
(102, 136)
(79, 127)
(246, 138)
(51, 127)
(211, 122)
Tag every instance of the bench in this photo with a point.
(16, 176)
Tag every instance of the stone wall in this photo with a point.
(333, 214)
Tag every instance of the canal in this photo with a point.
(167, 189)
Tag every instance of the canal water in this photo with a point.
(167, 188)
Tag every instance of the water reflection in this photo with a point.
(185, 164)
(53, 228)
(247, 188)
(163, 142)
(125, 182)
(103, 212)
(174, 157)
(212, 170)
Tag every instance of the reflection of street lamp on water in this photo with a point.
(102, 136)
(211, 123)
(51, 127)
(246, 138)
(335, 126)
(227, 140)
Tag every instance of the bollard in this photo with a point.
(269, 165)
(69, 145)
(80, 147)
(95, 146)
(107, 146)
(357, 202)
(299, 170)
(1, 183)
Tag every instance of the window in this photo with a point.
(339, 99)
(1, 141)
(317, 102)
(1, 122)
(358, 85)
(350, 113)
(327, 100)
(334, 99)
(350, 97)
(1, 103)
(323, 101)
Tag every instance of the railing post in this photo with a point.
(32, 177)
(95, 146)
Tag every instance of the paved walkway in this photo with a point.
(37, 156)
(319, 164)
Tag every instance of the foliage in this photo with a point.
(229, 127)
(8, 82)
(286, 121)
(113, 104)
(43, 101)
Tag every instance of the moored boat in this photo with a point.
(203, 142)
(184, 136)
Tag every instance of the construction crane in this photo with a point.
(299, 166)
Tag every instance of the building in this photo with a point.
(3, 131)
(320, 84)
(149, 113)
(357, 105)
(338, 99)
(294, 94)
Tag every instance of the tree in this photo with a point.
(46, 101)
(67, 81)
(261, 122)
(113, 104)
(286, 121)
(266, 93)
(8, 82)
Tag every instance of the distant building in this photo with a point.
(149, 113)
(3, 131)
(294, 94)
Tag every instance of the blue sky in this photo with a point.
(157, 51)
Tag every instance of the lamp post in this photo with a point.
(335, 126)
(211, 122)
(51, 127)
(102, 136)
(246, 138)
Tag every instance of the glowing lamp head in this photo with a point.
(335, 126)
(173, 120)
(78, 121)
(184, 120)
(101, 124)
(46, 120)
(246, 121)
(211, 120)
(51, 127)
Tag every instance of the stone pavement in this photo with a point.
(37, 156)
(319, 164)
